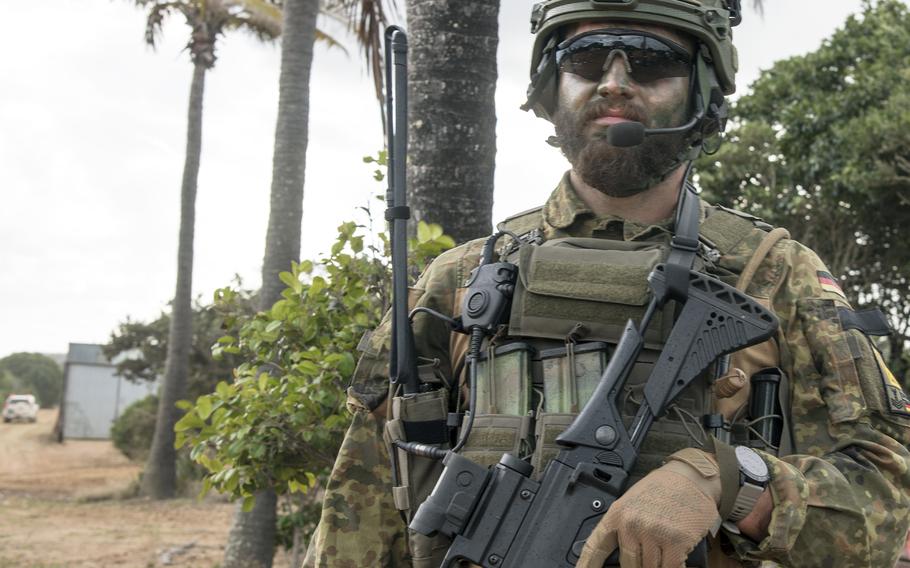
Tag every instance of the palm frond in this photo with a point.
(262, 18)
(367, 20)
(158, 12)
(330, 41)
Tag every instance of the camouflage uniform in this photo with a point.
(840, 498)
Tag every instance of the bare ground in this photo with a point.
(61, 505)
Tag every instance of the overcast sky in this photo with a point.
(92, 129)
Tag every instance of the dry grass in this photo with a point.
(61, 505)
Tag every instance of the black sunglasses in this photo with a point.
(650, 57)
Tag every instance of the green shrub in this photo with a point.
(281, 429)
(133, 430)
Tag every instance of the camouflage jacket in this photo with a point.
(840, 498)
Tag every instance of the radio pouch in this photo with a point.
(419, 418)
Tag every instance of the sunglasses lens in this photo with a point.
(587, 63)
(649, 59)
(651, 65)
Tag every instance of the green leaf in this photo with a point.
(317, 286)
(346, 364)
(311, 479)
(204, 407)
(223, 389)
(263, 382)
(423, 232)
(289, 280)
(189, 421)
(204, 460)
(248, 502)
(183, 404)
(206, 487)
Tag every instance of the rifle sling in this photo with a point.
(684, 244)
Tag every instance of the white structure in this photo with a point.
(93, 394)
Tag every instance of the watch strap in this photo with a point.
(745, 501)
(729, 475)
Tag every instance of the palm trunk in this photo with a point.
(251, 541)
(159, 479)
(282, 241)
(452, 118)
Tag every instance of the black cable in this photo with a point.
(473, 356)
(452, 322)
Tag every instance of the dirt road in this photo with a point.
(57, 510)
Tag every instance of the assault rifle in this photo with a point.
(499, 517)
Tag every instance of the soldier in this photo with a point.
(820, 479)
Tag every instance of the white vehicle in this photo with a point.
(20, 407)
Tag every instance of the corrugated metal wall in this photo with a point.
(95, 395)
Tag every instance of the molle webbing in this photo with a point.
(503, 401)
(597, 284)
(725, 230)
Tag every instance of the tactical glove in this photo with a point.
(662, 518)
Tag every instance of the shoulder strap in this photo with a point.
(684, 244)
(524, 222)
(771, 239)
(725, 229)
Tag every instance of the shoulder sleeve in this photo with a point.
(842, 498)
(359, 525)
(436, 289)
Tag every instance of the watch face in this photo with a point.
(752, 464)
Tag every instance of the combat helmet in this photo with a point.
(708, 22)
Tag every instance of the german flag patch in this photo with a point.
(829, 284)
(898, 402)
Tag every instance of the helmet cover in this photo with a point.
(708, 22)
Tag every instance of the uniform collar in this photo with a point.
(566, 211)
(564, 206)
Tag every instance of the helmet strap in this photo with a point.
(542, 90)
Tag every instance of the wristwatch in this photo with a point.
(753, 479)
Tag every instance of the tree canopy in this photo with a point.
(32, 373)
(149, 340)
(821, 146)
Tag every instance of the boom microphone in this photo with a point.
(631, 133)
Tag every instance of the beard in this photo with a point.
(614, 171)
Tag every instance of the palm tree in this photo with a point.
(252, 537)
(208, 19)
(452, 119)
